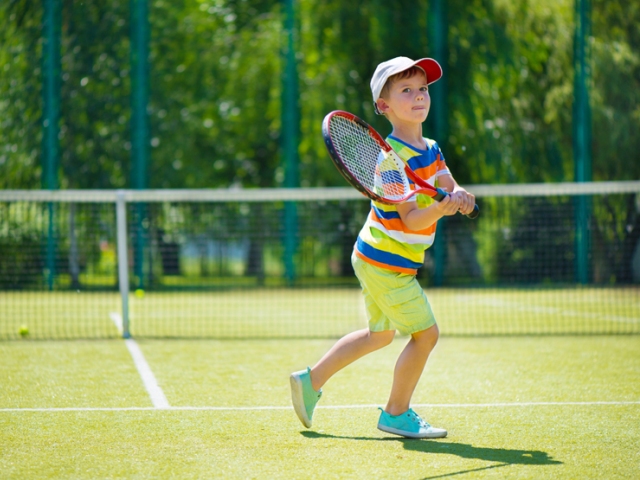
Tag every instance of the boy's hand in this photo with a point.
(466, 200)
(449, 205)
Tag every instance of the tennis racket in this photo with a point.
(369, 163)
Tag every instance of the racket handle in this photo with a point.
(441, 194)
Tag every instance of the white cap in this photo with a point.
(431, 68)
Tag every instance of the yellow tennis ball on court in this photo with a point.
(139, 293)
(23, 331)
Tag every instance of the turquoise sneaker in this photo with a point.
(303, 396)
(409, 424)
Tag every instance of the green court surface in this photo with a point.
(514, 406)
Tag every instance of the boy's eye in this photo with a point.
(408, 89)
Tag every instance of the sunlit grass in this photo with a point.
(514, 407)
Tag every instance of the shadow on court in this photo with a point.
(503, 456)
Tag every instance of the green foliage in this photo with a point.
(215, 95)
(549, 257)
(95, 89)
(216, 92)
(20, 99)
(616, 90)
(21, 260)
(511, 86)
(215, 88)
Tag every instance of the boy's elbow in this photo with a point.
(411, 227)
(415, 226)
(416, 219)
(410, 220)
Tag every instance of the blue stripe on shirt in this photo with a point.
(387, 215)
(385, 257)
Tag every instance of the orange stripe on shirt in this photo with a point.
(428, 172)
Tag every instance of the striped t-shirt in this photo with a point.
(384, 240)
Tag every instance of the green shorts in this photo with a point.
(394, 301)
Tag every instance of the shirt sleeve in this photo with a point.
(441, 165)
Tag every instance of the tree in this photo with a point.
(20, 95)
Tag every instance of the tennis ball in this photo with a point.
(23, 331)
(139, 293)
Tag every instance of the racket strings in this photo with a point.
(375, 170)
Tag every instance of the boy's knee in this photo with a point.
(384, 338)
(429, 336)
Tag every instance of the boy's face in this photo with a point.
(408, 99)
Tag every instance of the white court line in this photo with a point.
(148, 378)
(498, 303)
(117, 320)
(158, 399)
(324, 407)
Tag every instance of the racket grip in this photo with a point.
(474, 213)
(442, 193)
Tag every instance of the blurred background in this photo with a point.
(216, 72)
(210, 94)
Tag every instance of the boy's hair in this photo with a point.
(410, 72)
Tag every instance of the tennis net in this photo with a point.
(540, 259)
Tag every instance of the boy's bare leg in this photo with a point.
(409, 368)
(347, 350)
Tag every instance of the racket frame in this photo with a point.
(423, 187)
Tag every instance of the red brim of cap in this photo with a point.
(432, 69)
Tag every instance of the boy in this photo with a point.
(389, 249)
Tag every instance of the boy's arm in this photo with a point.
(416, 218)
(458, 200)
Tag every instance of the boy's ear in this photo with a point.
(383, 107)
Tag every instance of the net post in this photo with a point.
(123, 259)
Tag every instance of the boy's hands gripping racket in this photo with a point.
(369, 163)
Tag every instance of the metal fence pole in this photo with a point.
(50, 124)
(123, 260)
(139, 122)
(438, 32)
(290, 130)
(582, 134)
